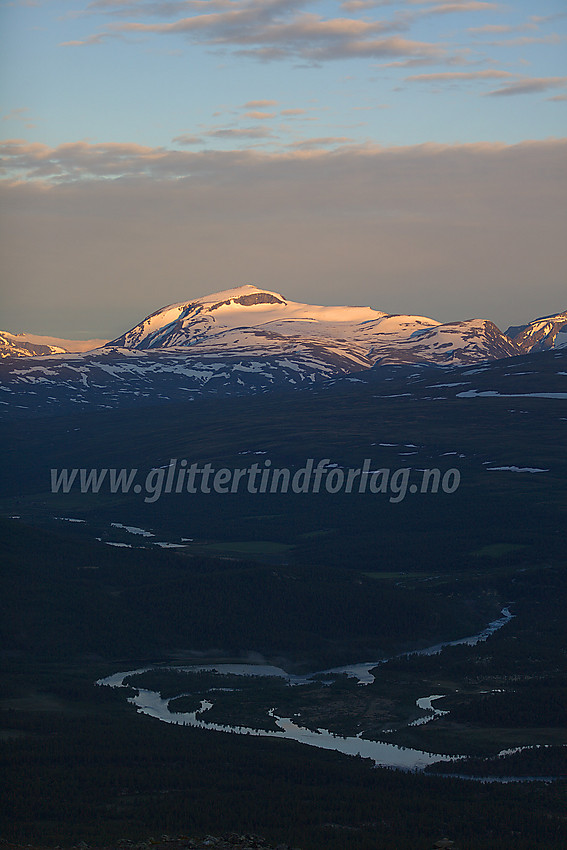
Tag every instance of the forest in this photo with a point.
(304, 583)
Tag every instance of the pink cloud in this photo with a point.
(529, 86)
(276, 29)
(449, 76)
(260, 116)
(259, 104)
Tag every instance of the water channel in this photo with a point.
(381, 753)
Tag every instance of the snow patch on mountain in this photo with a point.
(33, 345)
(541, 334)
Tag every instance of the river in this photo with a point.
(382, 754)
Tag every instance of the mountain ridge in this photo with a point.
(222, 319)
(248, 340)
(33, 345)
(219, 321)
(541, 334)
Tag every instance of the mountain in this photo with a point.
(202, 319)
(250, 340)
(541, 334)
(32, 345)
(257, 321)
(19, 345)
(448, 344)
(253, 322)
(121, 377)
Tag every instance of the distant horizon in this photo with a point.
(101, 338)
(95, 237)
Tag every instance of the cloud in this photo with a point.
(186, 140)
(499, 28)
(20, 114)
(96, 38)
(243, 28)
(451, 8)
(345, 48)
(162, 8)
(359, 5)
(451, 76)
(16, 114)
(260, 116)
(320, 142)
(220, 132)
(491, 28)
(81, 161)
(291, 112)
(450, 231)
(259, 104)
(239, 133)
(529, 86)
(277, 29)
(73, 160)
(554, 38)
(544, 19)
(440, 8)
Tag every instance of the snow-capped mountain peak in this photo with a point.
(541, 334)
(188, 322)
(33, 345)
(249, 340)
(250, 320)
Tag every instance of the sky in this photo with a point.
(410, 155)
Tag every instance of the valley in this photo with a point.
(98, 583)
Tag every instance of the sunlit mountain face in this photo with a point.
(541, 334)
(33, 345)
(251, 340)
(249, 318)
